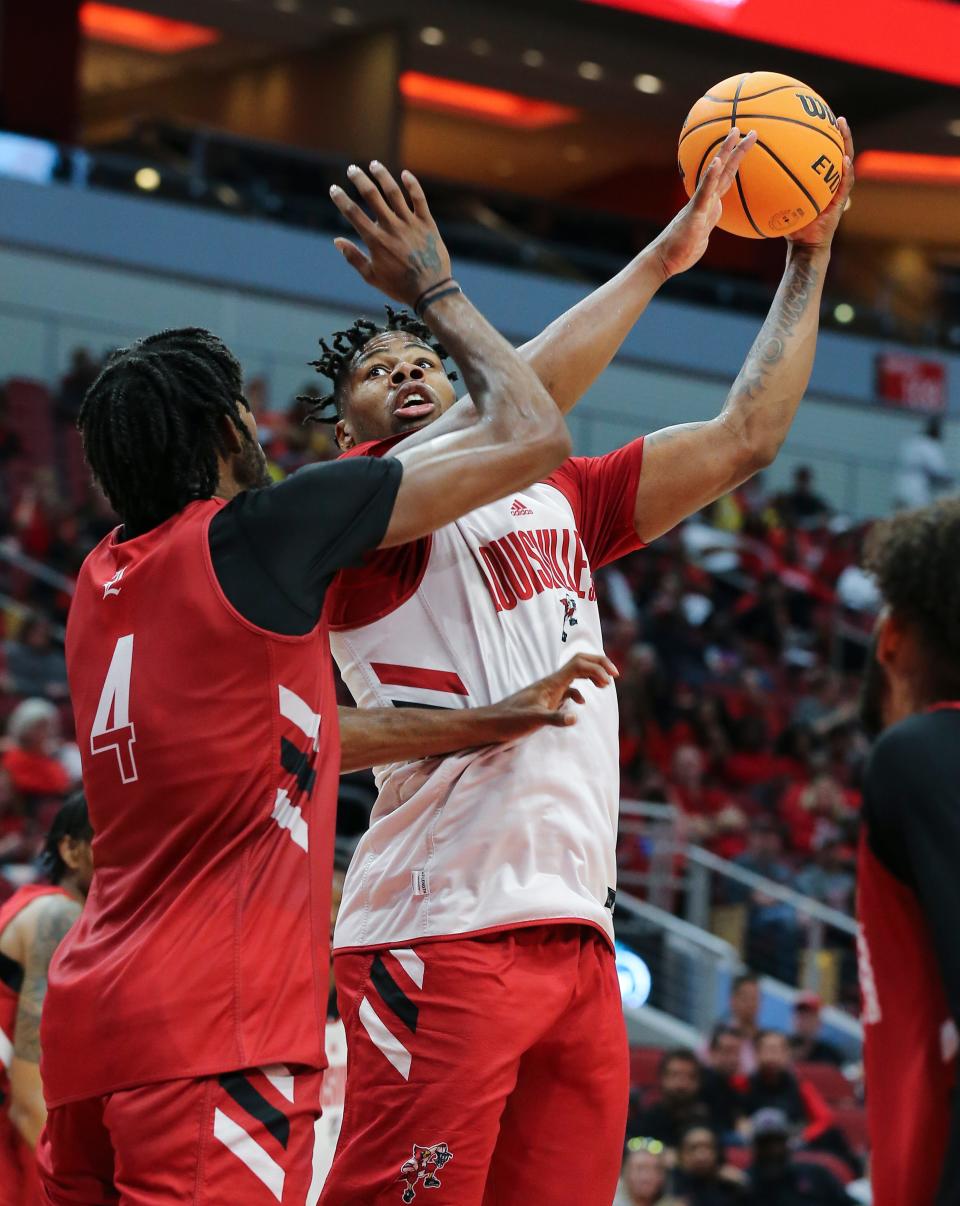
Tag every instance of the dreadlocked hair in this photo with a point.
(152, 423)
(71, 821)
(337, 356)
(915, 559)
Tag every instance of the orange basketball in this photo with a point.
(792, 172)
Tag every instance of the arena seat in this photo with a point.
(852, 1120)
(829, 1081)
(830, 1162)
(644, 1066)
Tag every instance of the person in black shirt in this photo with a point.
(678, 1106)
(805, 1042)
(698, 1179)
(720, 1090)
(776, 1179)
(908, 890)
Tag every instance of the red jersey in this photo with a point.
(11, 975)
(210, 762)
(908, 907)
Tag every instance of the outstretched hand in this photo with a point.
(821, 230)
(405, 254)
(542, 703)
(685, 240)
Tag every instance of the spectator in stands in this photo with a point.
(15, 843)
(678, 1105)
(776, 1086)
(34, 665)
(721, 1081)
(922, 470)
(84, 370)
(688, 791)
(801, 505)
(816, 812)
(806, 1044)
(829, 878)
(744, 1011)
(773, 932)
(776, 1179)
(34, 754)
(644, 1174)
(698, 1178)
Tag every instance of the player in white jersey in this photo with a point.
(487, 1054)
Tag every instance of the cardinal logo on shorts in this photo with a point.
(423, 1166)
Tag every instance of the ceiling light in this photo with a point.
(590, 71)
(431, 36)
(486, 104)
(844, 313)
(650, 84)
(953, 127)
(228, 195)
(480, 46)
(532, 58)
(343, 16)
(142, 31)
(148, 179)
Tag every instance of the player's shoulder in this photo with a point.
(923, 731)
(44, 919)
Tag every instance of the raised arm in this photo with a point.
(375, 736)
(691, 465)
(570, 354)
(54, 917)
(518, 435)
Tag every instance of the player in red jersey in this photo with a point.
(908, 889)
(474, 945)
(182, 1034)
(32, 924)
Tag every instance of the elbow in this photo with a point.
(758, 452)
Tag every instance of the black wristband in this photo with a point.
(424, 306)
(426, 293)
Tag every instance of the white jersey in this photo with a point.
(514, 834)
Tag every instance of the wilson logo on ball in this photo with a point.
(813, 106)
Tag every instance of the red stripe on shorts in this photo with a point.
(391, 675)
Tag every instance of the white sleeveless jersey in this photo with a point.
(514, 834)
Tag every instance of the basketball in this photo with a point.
(794, 170)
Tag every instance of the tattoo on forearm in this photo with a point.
(771, 344)
(52, 925)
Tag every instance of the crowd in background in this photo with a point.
(737, 693)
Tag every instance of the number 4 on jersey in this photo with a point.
(112, 729)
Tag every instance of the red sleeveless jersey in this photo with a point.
(11, 975)
(210, 761)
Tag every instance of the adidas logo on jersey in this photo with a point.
(519, 509)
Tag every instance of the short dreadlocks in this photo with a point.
(336, 360)
(915, 558)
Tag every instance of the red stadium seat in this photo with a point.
(830, 1082)
(831, 1163)
(852, 1120)
(644, 1066)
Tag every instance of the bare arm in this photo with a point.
(691, 465)
(518, 436)
(27, 1109)
(570, 354)
(374, 736)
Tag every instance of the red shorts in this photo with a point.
(244, 1137)
(488, 1070)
